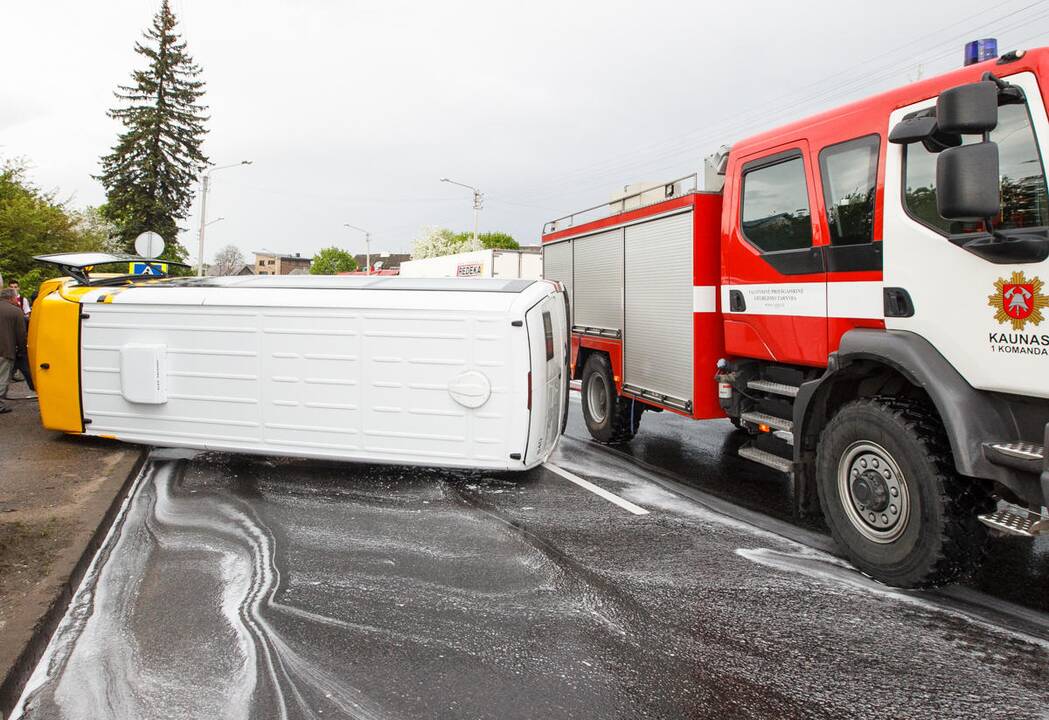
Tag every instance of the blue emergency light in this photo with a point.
(980, 50)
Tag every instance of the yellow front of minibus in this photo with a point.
(54, 355)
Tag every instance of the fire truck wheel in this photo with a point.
(892, 498)
(611, 419)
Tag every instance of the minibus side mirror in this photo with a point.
(967, 184)
(968, 109)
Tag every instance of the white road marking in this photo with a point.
(587, 485)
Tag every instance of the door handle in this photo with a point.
(898, 303)
(736, 301)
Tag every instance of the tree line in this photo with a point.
(35, 222)
(149, 177)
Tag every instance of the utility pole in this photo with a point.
(205, 183)
(367, 247)
(478, 201)
(204, 180)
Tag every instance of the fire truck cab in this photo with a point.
(865, 295)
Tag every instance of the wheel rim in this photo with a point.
(873, 492)
(597, 399)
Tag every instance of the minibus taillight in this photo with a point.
(529, 389)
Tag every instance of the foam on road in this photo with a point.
(242, 587)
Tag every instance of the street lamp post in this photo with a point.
(478, 201)
(212, 222)
(367, 247)
(205, 182)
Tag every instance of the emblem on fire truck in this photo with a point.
(1018, 300)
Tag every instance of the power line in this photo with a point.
(673, 145)
(847, 87)
(647, 164)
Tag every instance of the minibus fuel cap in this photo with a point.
(470, 389)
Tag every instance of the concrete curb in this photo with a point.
(17, 675)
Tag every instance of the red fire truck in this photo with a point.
(865, 294)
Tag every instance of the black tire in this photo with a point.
(933, 539)
(618, 422)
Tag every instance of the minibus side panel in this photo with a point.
(412, 386)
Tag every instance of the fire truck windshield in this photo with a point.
(1025, 201)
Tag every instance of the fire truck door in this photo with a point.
(774, 291)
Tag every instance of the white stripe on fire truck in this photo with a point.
(861, 300)
(704, 298)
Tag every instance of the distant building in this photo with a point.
(271, 263)
(390, 261)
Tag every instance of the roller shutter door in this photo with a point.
(658, 331)
(557, 265)
(599, 281)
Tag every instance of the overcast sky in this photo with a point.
(353, 111)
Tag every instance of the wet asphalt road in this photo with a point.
(243, 587)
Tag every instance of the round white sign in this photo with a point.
(149, 245)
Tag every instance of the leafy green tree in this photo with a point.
(33, 223)
(332, 260)
(150, 173)
(491, 240)
(435, 242)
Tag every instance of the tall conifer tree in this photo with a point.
(150, 174)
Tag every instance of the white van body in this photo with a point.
(467, 373)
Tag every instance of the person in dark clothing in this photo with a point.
(22, 366)
(12, 339)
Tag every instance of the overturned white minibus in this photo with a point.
(464, 373)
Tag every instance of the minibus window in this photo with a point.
(548, 331)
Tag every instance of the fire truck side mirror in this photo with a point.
(912, 130)
(968, 109)
(967, 183)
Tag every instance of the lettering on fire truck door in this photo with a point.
(774, 292)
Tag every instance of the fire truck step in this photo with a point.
(760, 418)
(768, 386)
(766, 458)
(1021, 450)
(785, 435)
(1025, 456)
(1017, 521)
